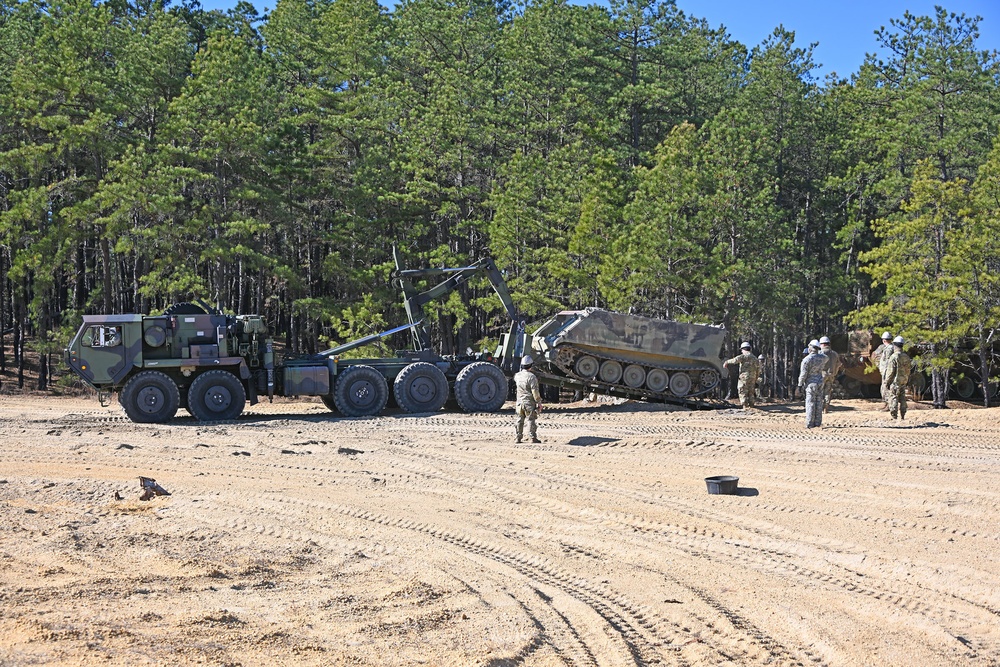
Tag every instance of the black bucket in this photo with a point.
(722, 484)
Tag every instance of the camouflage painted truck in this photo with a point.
(617, 354)
(210, 363)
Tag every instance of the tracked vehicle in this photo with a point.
(629, 355)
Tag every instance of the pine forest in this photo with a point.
(628, 156)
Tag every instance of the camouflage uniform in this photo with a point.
(894, 381)
(528, 399)
(832, 370)
(749, 370)
(811, 375)
(880, 357)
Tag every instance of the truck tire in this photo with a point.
(361, 391)
(964, 388)
(216, 395)
(150, 397)
(420, 387)
(481, 387)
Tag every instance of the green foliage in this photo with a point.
(921, 265)
(627, 156)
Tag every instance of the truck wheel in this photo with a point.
(150, 397)
(361, 391)
(481, 387)
(420, 387)
(216, 395)
(965, 388)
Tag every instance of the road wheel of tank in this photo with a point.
(481, 387)
(586, 366)
(965, 388)
(634, 375)
(680, 384)
(216, 395)
(361, 391)
(657, 380)
(328, 402)
(150, 397)
(611, 371)
(420, 387)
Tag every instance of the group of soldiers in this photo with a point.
(818, 373)
(894, 365)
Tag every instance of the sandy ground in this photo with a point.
(292, 537)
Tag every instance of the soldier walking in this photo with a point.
(528, 400)
(832, 370)
(896, 377)
(749, 369)
(880, 357)
(811, 375)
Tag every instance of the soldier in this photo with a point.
(749, 369)
(880, 357)
(811, 376)
(761, 380)
(832, 370)
(528, 400)
(896, 377)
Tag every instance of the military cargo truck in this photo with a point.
(210, 363)
(617, 354)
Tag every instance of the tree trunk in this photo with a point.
(984, 368)
(939, 388)
(43, 371)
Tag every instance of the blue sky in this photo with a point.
(844, 30)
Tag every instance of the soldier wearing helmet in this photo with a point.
(880, 357)
(761, 380)
(749, 370)
(528, 400)
(832, 370)
(812, 373)
(896, 377)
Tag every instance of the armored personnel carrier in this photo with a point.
(629, 355)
